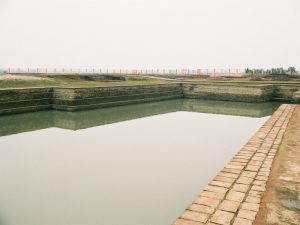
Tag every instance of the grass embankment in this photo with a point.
(64, 81)
(27, 81)
(244, 80)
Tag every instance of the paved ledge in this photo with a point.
(281, 202)
(233, 197)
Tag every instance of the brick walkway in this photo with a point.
(234, 195)
(281, 201)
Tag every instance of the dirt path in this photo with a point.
(281, 202)
(152, 77)
(21, 77)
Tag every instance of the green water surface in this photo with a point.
(131, 165)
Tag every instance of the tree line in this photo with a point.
(273, 71)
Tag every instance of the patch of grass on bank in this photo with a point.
(240, 81)
(5, 84)
(66, 82)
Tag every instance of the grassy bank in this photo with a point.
(27, 81)
(64, 81)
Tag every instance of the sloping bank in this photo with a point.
(73, 99)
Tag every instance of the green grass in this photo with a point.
(239, 81)
(66, 82)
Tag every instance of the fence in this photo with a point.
(156, 72)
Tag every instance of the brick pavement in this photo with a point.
(233, 197)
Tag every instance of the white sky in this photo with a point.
(149, 33)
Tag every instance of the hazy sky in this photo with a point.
(149, 33)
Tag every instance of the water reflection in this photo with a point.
(84, 119)
(136, 172)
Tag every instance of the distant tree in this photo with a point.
(258, 71)
(248, 71)
(278, 71)
(272, 71)
(292, 70)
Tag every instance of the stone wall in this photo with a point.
(296, 97)
(242, 93)
(72, 99)
(285, 92)
(25, 100)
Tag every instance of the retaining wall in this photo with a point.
(25, 100)
(285, 92)
(242, 93)
(73, 99)
(296, 97)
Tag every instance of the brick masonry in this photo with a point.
(17, 100)
(72, 99)
(233, 197)
(228, 92)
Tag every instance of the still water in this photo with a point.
(131, 165)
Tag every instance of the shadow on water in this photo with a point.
(14, 124)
